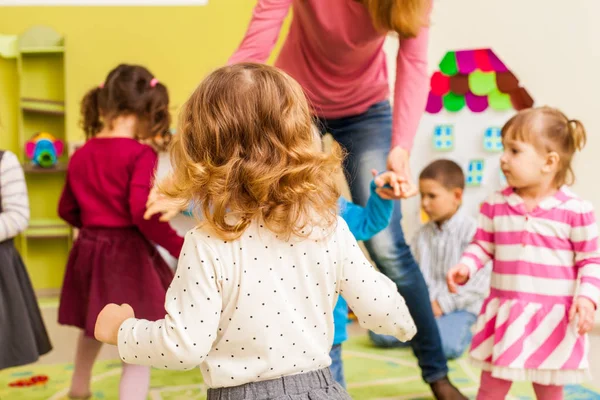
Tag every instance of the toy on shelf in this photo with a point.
(44, 149)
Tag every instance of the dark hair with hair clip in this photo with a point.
(129, 90)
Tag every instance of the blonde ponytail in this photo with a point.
(577, 133)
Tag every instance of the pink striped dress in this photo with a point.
(542, 260)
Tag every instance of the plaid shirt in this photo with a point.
(437, 249)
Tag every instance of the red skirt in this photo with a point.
(112, 265)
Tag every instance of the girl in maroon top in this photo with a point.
(114, 259)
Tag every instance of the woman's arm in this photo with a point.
(410, 96)
(411, 88)
(263, 31)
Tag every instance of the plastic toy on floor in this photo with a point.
(44, 149)
(36, 380)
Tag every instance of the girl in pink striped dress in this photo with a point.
(545, 283)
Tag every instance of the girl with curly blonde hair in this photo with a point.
(257, 281)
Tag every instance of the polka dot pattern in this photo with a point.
(259, 308)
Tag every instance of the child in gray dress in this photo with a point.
(23, 336)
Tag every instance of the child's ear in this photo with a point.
(458, 194)
(552, 161)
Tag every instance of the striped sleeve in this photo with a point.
(481, 250)
(584, 239)
(471, 295)
(15, 203)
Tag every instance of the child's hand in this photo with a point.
(158, 203)
(389, 185)
(457, 275)
(437, 310)
(110, 320)
(585, 310)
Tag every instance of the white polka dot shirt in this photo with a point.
(259, 308)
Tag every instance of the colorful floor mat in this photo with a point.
(371, 374)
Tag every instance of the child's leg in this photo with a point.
(87, 351)
(455, 332)
(337, 366)
(135, 382)
(491, 388)
(548, 392)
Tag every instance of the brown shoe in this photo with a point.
(443, 389)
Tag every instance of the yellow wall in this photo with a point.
(8, 106)
(180, 45)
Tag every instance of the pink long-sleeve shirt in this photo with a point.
(548, 255)
(336, 54)
(542, 260)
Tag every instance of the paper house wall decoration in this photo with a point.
(474, 92)
(443, 138)
(477, 79)
(492, 140)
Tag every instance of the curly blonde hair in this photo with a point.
(247, 148)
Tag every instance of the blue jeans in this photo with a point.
(337, 367)
(455, 329)
(367, 140)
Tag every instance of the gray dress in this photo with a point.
(23, 336)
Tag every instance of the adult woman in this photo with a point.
(335, 50)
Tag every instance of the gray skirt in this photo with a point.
(23, 336)
(315, 385)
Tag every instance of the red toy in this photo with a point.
(36, 380)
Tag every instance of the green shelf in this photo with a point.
(43, 106)
(42, 50)
(30, 168)
(8, 46)
(46, 229)
(39, 70)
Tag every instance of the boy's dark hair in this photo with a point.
(446, 172)
(129, 90)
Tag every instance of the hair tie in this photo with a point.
(153, 82)
(101, 86)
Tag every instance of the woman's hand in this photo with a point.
(398, 161)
